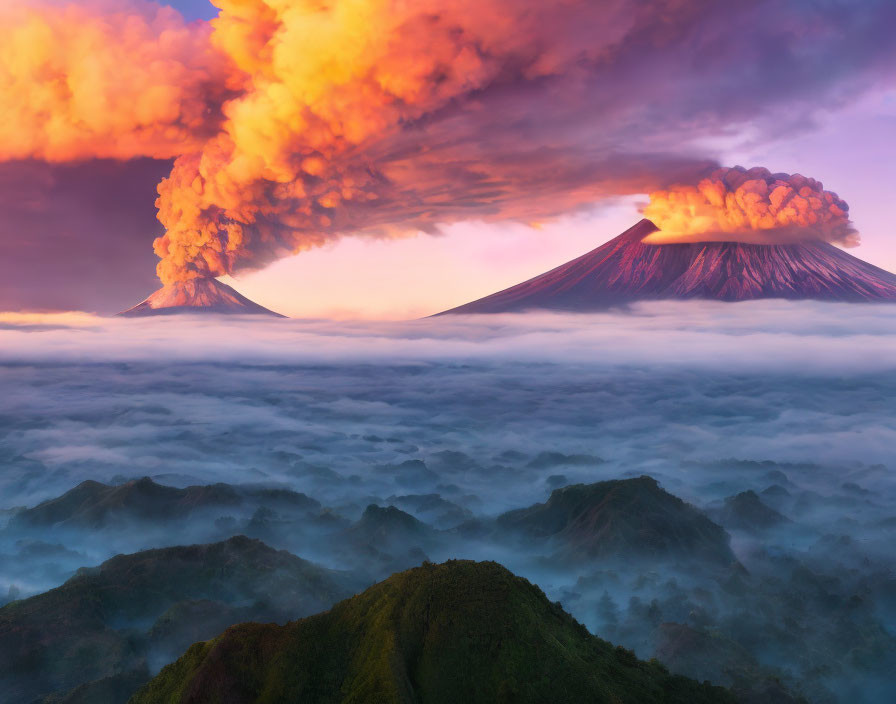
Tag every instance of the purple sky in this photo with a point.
(195, 9)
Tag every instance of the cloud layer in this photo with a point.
(472, 417)
(757, 335)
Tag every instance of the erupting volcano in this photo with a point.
(199, 295)
(626, 269)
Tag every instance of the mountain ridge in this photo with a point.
(99, 623)
(621, 518)
(94, 505)
(626, 270)
(458, 631)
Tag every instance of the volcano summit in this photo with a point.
(626, 270)
(197, 296)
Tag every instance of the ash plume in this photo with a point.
(750, 205)
(295, 123)
(371, 117)
(106, 79)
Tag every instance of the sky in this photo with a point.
(412, 163)
(195, 9)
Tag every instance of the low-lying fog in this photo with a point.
(457, 419)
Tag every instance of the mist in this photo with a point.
(457, 420)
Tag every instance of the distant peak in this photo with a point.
(644, 224)
(379, 515)
(197, 296)
(628, 269)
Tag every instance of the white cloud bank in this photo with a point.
(805, 337)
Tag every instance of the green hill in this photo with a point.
(458, 632)
(621, 518)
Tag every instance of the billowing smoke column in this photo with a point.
(324, 139)
(105, 79)
(297, 121)
(750, 205)
(294, 122)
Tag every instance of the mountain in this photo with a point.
(197, 296)
(387, 526)
(94, 505)
(108, 621)
(385, 540)
(745, 511)
(433, 508)
(621, 518)
(457, 632)
(625, 270)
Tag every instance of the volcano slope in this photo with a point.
(626, 270)
(197, 296)
(456, 632)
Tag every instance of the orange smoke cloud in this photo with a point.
(294, 122)
(105, 78)
(750, 205)
(313, 147)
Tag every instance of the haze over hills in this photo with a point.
(200, 295)
(626, 270)
(639, 566)
(455, 632)
(106, 625)
(621, 518)
(93, 505)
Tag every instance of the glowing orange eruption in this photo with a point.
(306, 151)
(108, 79)
(296, 121)
(750, 205)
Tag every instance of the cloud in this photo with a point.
(654, 390)
(755, 335)
(105, 79)
(712, 399)
(750, 205)
(293, 125)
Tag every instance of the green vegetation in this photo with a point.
(460, 632)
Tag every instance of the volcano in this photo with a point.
(198, 296)
(626, 270)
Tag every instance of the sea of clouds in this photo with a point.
(492, 413)
(197, 400)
